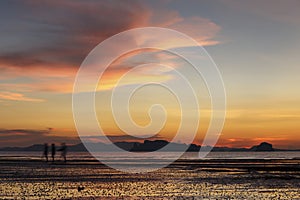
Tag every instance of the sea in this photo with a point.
(86, 156)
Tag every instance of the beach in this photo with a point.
(183, 179)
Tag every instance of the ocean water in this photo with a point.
(85, 156)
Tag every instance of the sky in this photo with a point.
(255, 45)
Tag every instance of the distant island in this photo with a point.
(148, 146)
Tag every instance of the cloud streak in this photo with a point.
(17, 97)
(26, 137)
(24, 132)
(120, 138)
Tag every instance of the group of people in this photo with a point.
(62, 149)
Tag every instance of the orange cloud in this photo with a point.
(17, 97)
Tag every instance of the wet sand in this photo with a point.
(184, 179)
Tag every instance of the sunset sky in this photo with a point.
(255, 45)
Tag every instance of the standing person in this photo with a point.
(53, 151)
(45, 154)
(63, 150)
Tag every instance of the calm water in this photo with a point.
(165, 155)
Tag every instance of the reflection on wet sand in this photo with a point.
(239, 179)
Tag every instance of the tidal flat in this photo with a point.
(184, 179)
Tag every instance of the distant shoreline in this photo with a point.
(150, 146)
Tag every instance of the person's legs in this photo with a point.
(64, 156)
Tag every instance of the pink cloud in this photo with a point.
(67, 36)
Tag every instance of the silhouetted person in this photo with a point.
(53, 151)
(45, 154)
(63, 150)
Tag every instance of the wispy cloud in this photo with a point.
(25, 132)
(120, 138)
(17, 97)
(201, 29)
(26, 137)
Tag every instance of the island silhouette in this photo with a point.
(148, 146)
